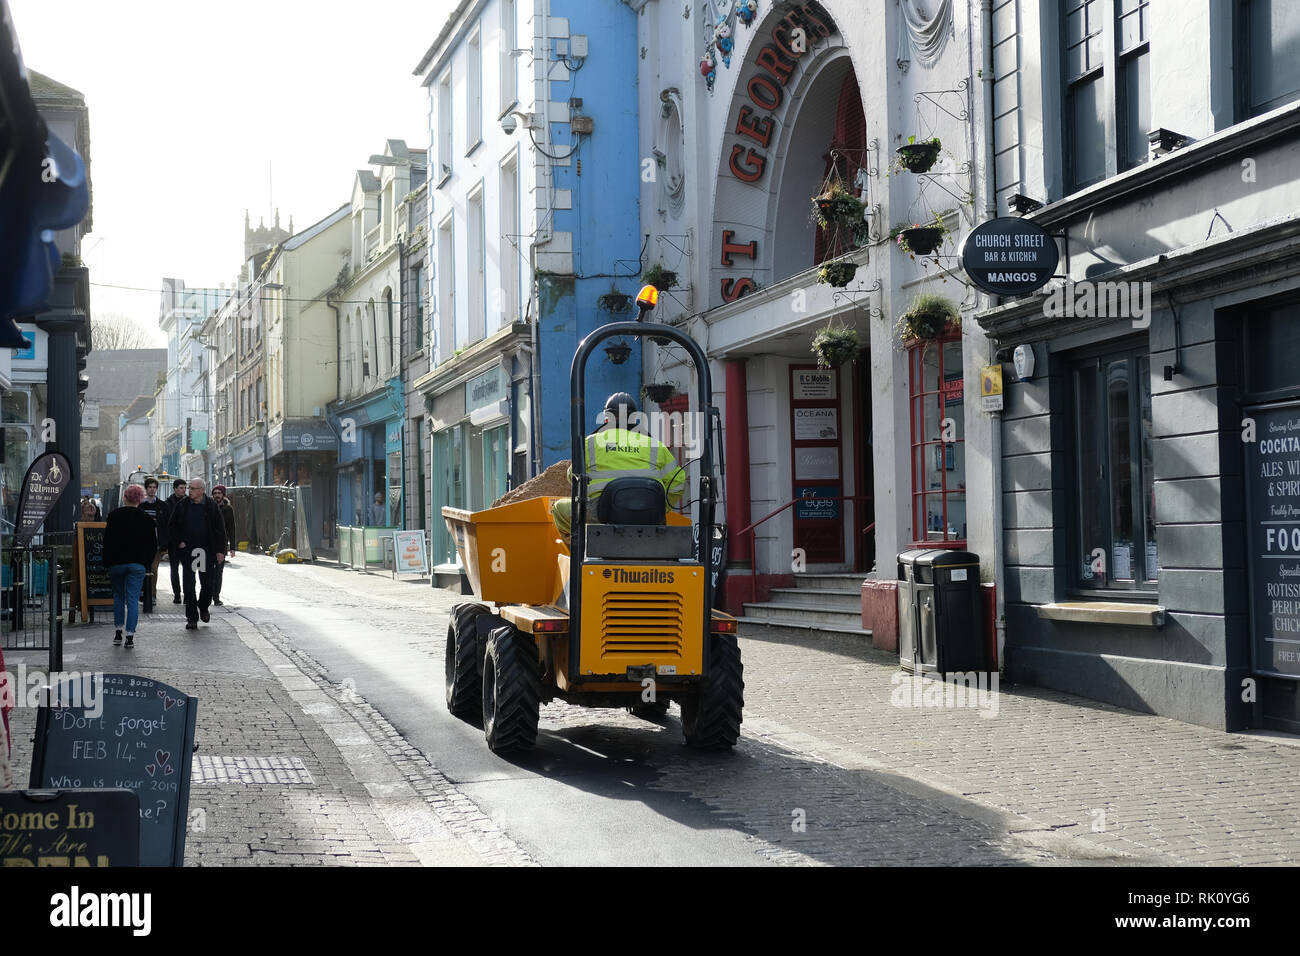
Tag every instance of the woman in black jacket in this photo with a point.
(130, 542)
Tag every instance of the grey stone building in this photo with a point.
(117, 379)
(1146, 513)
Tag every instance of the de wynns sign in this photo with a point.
(1009, 256)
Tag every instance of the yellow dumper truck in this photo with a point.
(620, 616)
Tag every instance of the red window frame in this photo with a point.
(917, 397)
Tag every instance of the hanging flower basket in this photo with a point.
(661, 278)
(658, 392)
(615, 302)
(837, 274)
(834, 345)
(918, 157)
(837, 206)
(929, 317)
(920, 240)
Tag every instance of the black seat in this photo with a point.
(632, 501)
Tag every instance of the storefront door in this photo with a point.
(818, 463)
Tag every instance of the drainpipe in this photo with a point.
(995, 445)
(534, 376)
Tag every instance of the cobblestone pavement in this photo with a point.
(830, 770)
(370, 800)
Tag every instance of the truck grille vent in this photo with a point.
(641, 623)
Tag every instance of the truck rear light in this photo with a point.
(724, 626)
(550, 627)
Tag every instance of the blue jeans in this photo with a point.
(127, 581)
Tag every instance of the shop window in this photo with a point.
(1114, 505)
(448, 487)
(938, 427)
(1268, 33)
(1272, 340)
(496, 459)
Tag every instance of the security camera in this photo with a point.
(509, 124)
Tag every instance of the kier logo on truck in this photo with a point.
(655, 576)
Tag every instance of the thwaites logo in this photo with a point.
(654, 576)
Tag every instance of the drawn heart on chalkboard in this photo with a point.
(148, 768)
(167, 770)
(168, 700)
(162, 756)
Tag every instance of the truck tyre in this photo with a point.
(711, 717)
(463, 666)
(512, 690)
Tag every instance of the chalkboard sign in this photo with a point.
(1273, 507)
(93, 583)
(119, 730)
(69, 828)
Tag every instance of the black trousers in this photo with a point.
(190, 558)
(174, 558)
(217, 572)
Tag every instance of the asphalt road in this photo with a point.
(603, 787)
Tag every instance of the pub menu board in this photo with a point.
(120, 730)
(96, 589)
(1273, 508)
(69, 828)
(815, 434)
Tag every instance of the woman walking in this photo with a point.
(130, 542)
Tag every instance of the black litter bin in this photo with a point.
(940, 612)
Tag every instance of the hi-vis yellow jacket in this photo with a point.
(620, 453)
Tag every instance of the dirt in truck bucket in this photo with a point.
(554, 482)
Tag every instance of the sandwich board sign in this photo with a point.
(409, 554)
(122, 731)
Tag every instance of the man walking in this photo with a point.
(197, 528)
(228, 518)
(156, 509)
(173, 552)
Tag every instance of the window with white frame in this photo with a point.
(509, 72)
(475, 263)
(445, 120)
(447, 339)
(473, 91)
(508, 219)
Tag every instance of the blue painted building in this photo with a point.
(534, 215)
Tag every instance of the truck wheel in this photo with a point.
(512, 690)
(652, 711)
(462, 663)
(711, 717)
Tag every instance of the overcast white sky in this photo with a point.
(194, 106)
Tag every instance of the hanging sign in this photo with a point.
(1009, 256)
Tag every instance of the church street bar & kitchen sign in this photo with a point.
(1009, 256)
(793, 36)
